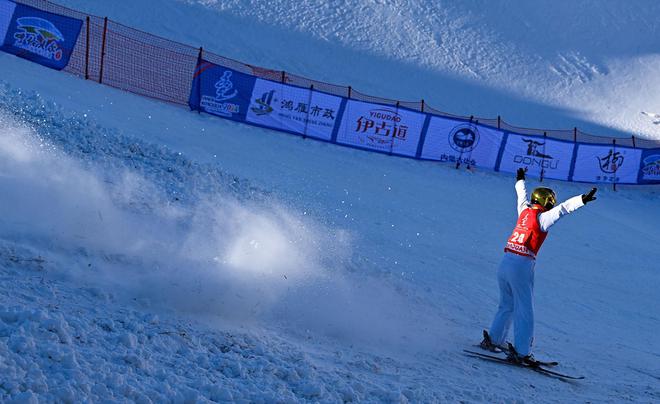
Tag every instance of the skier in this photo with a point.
(516, 271)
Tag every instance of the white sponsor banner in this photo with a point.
(294, 109)
(6, 12)
(463, 142)
(598, 163)
(539, 155)
(381, 127)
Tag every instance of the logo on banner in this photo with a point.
(293, 110)
(224, 86)
(464, 138)
(39, 36)
(224, 91)
(610, 163)
(651, 168)
(534, 157)
(264, 104)
(380, 127)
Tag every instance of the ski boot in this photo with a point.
(488, 345)
(514, 357)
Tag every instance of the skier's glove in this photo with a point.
(520, 174)
(589, 196)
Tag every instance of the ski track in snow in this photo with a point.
(574, 67)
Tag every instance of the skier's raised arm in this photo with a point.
(521, 191)
(547, 219)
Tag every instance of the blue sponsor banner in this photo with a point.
(649, 172)
(221, 91)
(42, 37)
(230, 94)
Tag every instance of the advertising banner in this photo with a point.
(221, 91)
(293, 109)
(39, 36)
(453, 141)
(540, 156)
(6, 12)
(381, 127)
(650, 170)
(599, 163)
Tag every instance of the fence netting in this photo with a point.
(160, 68)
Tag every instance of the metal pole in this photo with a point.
(309, 106)
(87, 51)
(105, 30)
(617, 169)
(199, 80)
(545, 135)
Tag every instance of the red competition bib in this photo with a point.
(527, 236)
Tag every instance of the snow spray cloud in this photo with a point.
(216, 256)
(46, 197)
(220, 255)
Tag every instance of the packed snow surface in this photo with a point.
(152, 254)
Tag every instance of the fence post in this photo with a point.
(309, 106)
(469, 158)
(199, 80)
(545, 135)
(617, 169)
(105, 30)
(87, 50)
(460, 156)
(350, 90)
(283, 76)
(499, 121)
(633, 141)
(394, 131)
(575, 134)
(422, 109)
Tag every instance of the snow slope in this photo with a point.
(153, 254)
(590, 64)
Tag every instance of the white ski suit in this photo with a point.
(516, 280)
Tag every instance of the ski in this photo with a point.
(488, 345)
(506, 351)
(538, 369)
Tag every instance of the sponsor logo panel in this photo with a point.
(293, 109)
(221, 91)
(40, 36)
(453, 141)
(542, 157)
(597, 163)
(650, 171)
(381, 127)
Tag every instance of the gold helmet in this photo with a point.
(544, 197)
